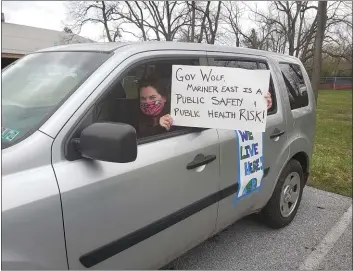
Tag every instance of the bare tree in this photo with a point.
(290, 27)
(337, 60)
(231, 16)
(164, 19)
(285, 23)
(210, 21)
(188, 31)
(337, 41)
(252, 40)
(285, 26)
(81, 13)
(132, 12)
(203, 21)
(169, 20)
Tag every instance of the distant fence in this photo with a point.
(336, 83)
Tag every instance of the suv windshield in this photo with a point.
(35, 86)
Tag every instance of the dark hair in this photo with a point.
(161, 85)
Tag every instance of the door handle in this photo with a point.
(277, 133)
(200, 160)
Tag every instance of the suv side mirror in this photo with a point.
(110, 142)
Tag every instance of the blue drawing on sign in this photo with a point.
(250, 187)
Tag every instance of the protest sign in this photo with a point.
(219, 97)
(251, 162)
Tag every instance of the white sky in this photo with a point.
(44, 14)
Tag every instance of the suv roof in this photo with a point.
(108, 47)
(86, 47)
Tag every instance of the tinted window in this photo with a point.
(262, 66)
(296, 88)
(37, 84)
(250, 65)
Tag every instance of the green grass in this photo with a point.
(331, 168)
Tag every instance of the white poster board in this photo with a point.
(219, 97)
(251, 162)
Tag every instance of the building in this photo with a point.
(19, 40)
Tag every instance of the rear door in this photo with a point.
(274, 140)
(143, 214)
(301, 109)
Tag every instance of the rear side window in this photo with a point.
(296, 88)
(250, 65)
(262, 66)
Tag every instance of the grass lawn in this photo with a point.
(331, 168)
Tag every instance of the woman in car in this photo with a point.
(154, 104)
(155, 107)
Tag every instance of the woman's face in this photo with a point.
(149, 93)
(151, 102)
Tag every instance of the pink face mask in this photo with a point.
(152, 108)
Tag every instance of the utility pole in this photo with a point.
(321, 25)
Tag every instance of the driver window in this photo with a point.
(141, 98)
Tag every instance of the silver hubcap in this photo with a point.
(290, 194)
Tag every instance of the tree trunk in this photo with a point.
(321, 25)
(192, 39)
(106, 22)
(216, 21)
(203, 26)
(237, 40)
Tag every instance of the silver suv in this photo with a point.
(81, 188)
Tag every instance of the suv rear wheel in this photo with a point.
(284, 203)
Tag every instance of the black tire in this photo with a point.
(271, 213)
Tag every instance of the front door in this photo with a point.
(143, 214)
(274, 147)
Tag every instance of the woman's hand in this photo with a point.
(268, 100)
(166, 121)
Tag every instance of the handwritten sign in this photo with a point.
(218, 97)
(251, 162)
